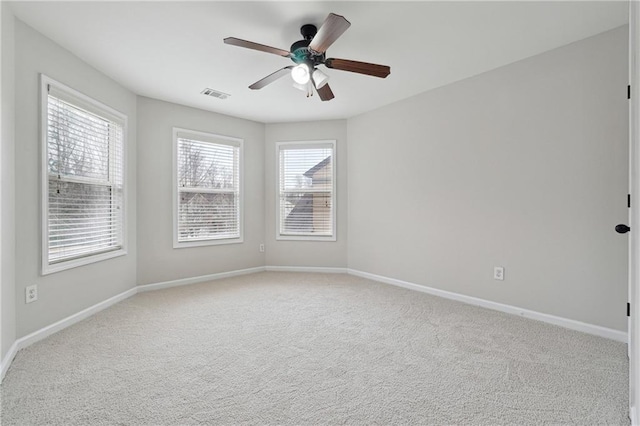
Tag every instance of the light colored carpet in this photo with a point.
(291, 348)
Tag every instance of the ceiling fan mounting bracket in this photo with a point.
(308, 31)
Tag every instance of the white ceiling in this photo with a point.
(173, 50)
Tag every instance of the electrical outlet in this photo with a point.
(498, 273)
(261, 248)
(31, 293)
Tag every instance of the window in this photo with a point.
(306, 190)
(83, 179)
(207, 204)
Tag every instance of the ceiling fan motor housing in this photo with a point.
(300, 49)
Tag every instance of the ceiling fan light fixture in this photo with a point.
(300, 74)
(319, 78)
(307, 88)
(299, 86)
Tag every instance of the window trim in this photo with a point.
(214, 241)
(334, 226)
(112, 114)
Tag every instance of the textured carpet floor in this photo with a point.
(289, 348)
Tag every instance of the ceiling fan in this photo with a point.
(308, 54)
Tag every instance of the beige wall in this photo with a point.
(306, 253)
(63, 293)
(7, 185)
(524, 167)
(158, 261)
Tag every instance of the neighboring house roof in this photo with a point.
(309, 173)
(304, 206)
(302, 209)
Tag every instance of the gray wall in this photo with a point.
(157, 260)
(306, 253)
(63, 293)
(524, 167)
(7, 194)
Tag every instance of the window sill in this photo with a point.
(187, 244)
(330, 238)
(69, 264)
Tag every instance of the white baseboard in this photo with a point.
(29, 339)
(8, 358)
(597, 330)
(319, 269)
(44, 332)
(199, 279)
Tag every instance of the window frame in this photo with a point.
(106, 112)
(307, 145)
(231, 141)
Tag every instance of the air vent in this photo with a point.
(215, 94)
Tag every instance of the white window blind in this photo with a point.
(84, 201)
(306, 190)
(208, 188)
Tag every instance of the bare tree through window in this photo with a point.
(85, 182)
(208, 190)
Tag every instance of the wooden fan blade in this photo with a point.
(325, 93)
(270, 78)
(331, 29)
(375, 70)
(256, 46)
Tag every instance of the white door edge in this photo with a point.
(634, 211)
